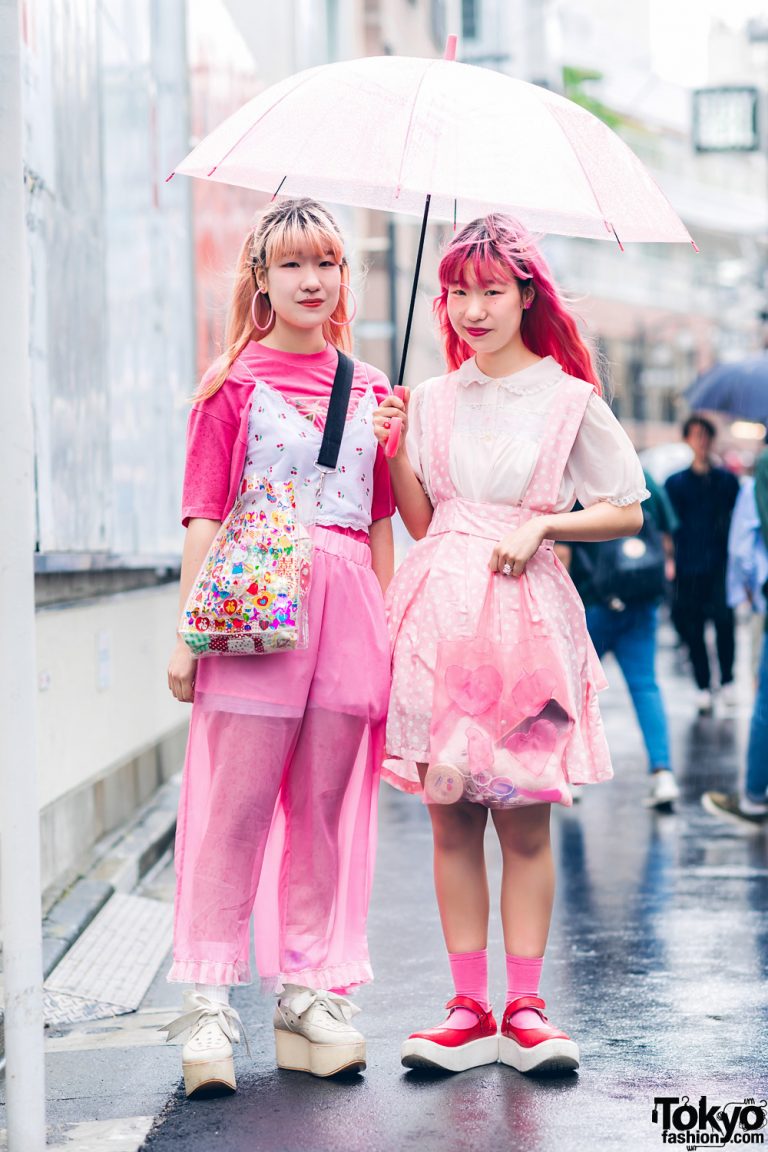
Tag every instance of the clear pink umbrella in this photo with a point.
(387, 131)
(404, 134)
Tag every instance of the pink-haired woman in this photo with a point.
(486, 623)
(277, 817)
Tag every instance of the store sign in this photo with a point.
(726, 119)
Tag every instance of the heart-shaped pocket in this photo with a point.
(473, 690)
(534, 747)
(533, 691)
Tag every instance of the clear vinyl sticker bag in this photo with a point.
(501, 716)
(251, 594)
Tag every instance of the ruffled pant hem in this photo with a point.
(342, 978)
(209, 972)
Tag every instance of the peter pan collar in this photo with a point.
(538, 375)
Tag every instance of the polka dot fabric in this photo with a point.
(439, 591)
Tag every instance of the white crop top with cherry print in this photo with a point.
(283, 445)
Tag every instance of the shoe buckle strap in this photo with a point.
(534, 1002)
(201, 1008)
(469, 1003)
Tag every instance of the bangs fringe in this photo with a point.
(486, 263)
(291, 235)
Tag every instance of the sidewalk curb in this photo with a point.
(131, 852)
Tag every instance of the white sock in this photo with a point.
(219, 993)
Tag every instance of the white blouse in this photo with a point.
(498, 426)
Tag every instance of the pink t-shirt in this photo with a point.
(217, 432)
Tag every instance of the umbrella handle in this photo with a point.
(396, 428)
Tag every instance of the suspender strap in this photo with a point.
(337, 415)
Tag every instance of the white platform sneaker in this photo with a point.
(206, 1058)
(313, 1032)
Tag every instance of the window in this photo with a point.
(438, 22)
(469, 19)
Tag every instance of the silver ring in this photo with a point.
(506, 570)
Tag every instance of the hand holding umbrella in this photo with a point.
(396, 426)
(390, 421)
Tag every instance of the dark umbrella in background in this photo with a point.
(740, 389)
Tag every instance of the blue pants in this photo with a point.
(757, 752)
(631, 636)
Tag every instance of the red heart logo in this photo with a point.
(473, 690)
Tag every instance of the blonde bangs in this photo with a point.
(287, 237)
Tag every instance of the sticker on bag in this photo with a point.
(251, 594)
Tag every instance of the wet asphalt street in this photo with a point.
(656, 966)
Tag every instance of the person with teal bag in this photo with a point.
(622, 583)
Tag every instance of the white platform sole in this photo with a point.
(420, 1053)
(209, 1075)
(297, 1054)
(553, 1056)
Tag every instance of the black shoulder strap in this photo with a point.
(337, 415)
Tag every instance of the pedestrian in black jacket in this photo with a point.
(703, 497)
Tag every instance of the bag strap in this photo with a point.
(336, 418)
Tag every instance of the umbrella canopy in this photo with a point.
(740, 389)
(387, 132)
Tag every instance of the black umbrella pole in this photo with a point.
(414, 289)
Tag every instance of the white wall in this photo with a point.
(102, 686)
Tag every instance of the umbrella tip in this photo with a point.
(171, 176)
(450, 47)
(695, 246)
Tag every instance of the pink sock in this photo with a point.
(470, 978)
(523, 975)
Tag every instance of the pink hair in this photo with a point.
(498, 249)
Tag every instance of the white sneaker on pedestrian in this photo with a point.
(664, 790)
(727, 696)
(704, 702)
(206, 1058)
(313, 1032)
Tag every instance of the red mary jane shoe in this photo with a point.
(454, 1049)
(544, 1049)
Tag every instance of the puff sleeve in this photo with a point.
(603, 464)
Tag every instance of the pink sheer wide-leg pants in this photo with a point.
(278, 808)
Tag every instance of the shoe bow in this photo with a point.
(201, 1008)
(299, 999)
